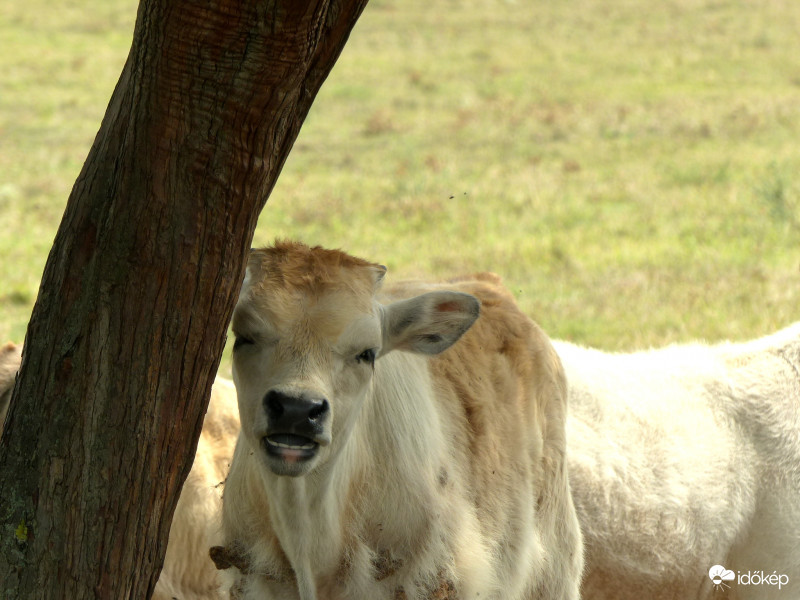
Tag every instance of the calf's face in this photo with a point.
(305, 353)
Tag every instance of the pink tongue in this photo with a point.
(290, 455)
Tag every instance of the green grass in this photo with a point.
(630, 169)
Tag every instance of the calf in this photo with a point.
(395, 445)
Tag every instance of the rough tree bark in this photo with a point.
(130, 321)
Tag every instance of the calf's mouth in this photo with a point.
(290, 447)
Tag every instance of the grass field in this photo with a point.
(630, 168)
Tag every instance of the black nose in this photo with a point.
(299, 415)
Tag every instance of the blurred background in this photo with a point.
(630, 168)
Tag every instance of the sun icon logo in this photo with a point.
(719, 575)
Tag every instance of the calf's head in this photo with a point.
(308, 331)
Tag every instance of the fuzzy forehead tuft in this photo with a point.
(294, 266)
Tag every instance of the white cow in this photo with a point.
(393, 446)
(684, 459)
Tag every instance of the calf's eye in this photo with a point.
(240, 341)
(367, 356)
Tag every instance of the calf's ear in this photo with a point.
(428, 324)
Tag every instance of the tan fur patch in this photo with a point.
(312, 270)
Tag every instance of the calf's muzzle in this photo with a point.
(296, 415)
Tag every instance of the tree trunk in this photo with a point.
(127, 330)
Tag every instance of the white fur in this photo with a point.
(308, 512)
(685, 458)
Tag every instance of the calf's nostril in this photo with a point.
(294, 411)
(274, 405)
(318, 410)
